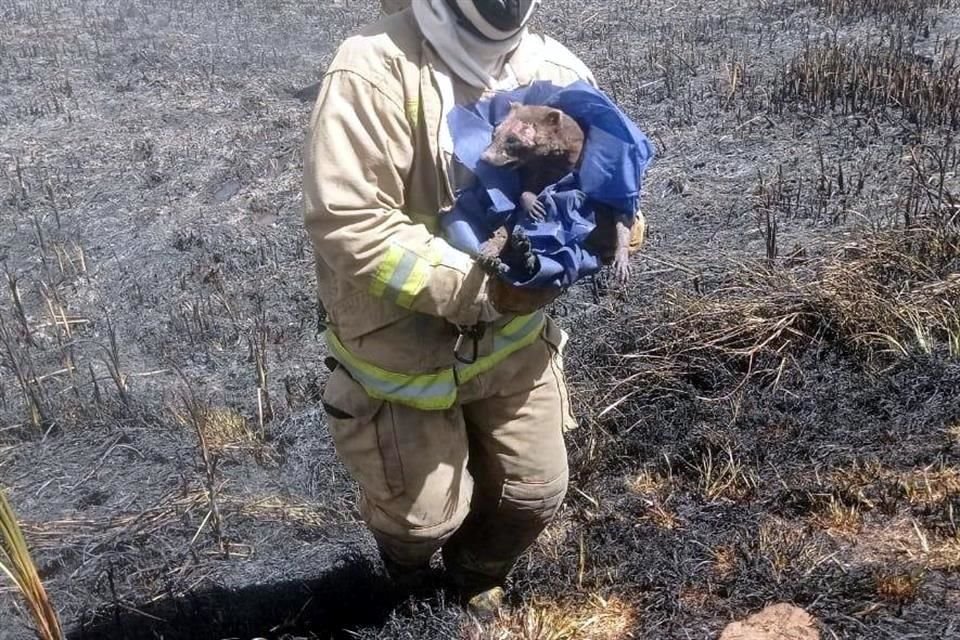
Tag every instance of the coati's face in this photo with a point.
(528, 132)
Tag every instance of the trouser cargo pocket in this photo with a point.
(364, 435)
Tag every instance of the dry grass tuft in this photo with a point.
(929, 487)
(897, 586)
(720, 475)
(171, 509)
(655, 490)
(945, 555)
(953, 433)
(859, 483)
(897, 292)
(596, 618)
(724, 560)
(649, 482)
(223, 429)
(785, 549)
(16, 563)
(854, 78)
(838, 518)
(658, 513)
(891, 294)
(285, 510)
(697, 597)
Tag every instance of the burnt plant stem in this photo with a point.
(23, 370)
(52, 201)
(258, 353)
(197, 413)
(112, 361)
(12, 282)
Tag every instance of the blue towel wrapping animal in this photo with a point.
(607, 181)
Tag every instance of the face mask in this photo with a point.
(493, 20)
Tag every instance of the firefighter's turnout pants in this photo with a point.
(480, 479)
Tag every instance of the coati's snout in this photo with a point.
(498, 157)
(513, 140)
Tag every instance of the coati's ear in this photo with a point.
(514, 105)
(553, 117)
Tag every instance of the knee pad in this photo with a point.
(537, 501)
(401, 528)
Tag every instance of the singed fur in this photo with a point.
(543, 143)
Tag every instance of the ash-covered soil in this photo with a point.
(769, 412)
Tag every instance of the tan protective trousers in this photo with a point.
(480, 480)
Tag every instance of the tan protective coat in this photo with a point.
(375, 178)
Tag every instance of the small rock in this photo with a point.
(227, 190)
(308, 93)
(677, 187)
(776, 622)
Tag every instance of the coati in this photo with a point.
(545, 144)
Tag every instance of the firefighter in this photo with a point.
(447, 401)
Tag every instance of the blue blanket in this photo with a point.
(615, 157)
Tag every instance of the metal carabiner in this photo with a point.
(474, 333)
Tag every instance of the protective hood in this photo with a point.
(494, 20)
(478, 61)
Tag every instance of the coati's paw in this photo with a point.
(492, 265)
(621, 268)
(523, 249)
(533, 206)
(538, 211)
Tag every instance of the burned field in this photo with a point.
(769, 412)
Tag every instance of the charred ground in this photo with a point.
(769, 412)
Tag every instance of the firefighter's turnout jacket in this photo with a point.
(378, 173)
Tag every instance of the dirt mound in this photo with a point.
(776, 622)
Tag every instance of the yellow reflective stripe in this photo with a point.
(427, 391)
(436, 391)
(519, 323)
(401, 276)
(518, 333)
(414, 283)
(411, 109)
(385, 271)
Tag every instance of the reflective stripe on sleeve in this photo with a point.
(401, 276)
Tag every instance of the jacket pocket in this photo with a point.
(357, 314)
(364, 436)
